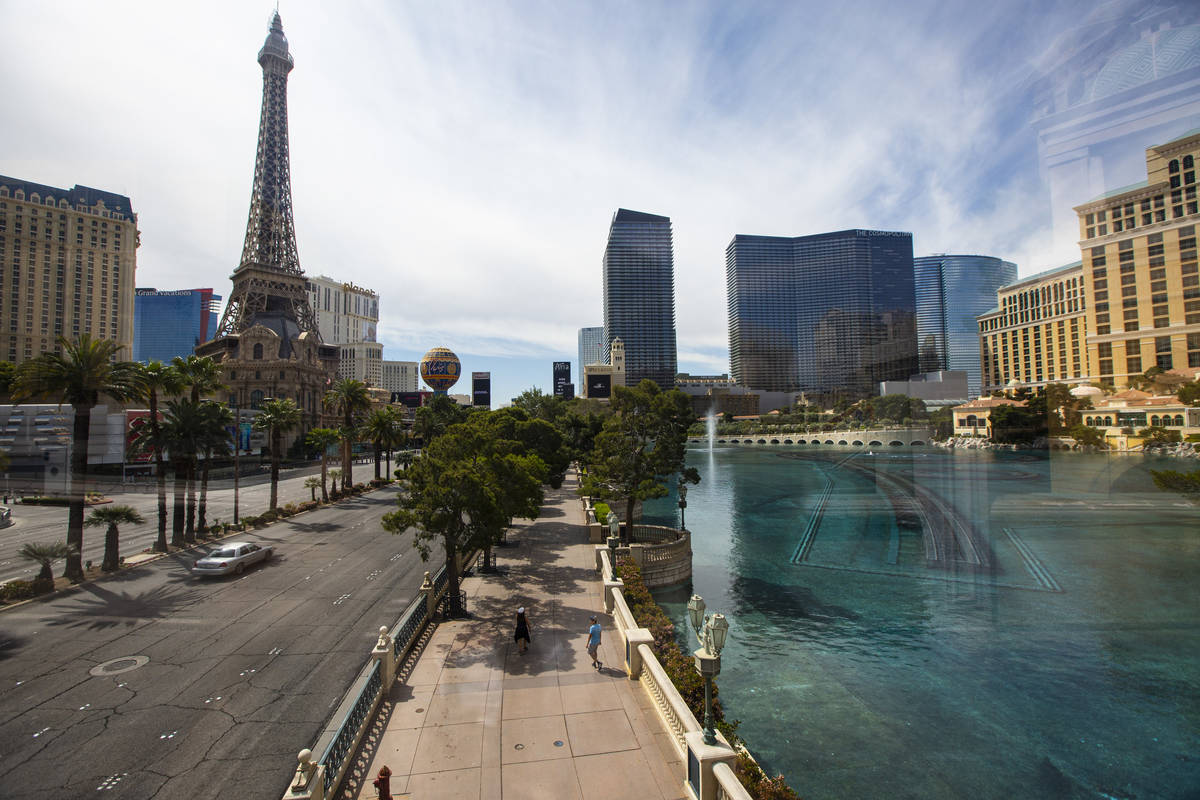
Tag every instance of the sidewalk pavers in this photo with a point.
(474, 718)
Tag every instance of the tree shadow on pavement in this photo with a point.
(98, 608)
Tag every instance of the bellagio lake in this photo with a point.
(915, 622)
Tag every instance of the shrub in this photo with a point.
(758, 784)
(249, 520)
(602, 512)
(288, 510)
(16, 590)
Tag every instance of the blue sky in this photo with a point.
(464, 159)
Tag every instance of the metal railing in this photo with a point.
(349, 731)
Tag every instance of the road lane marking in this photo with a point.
(341, 600)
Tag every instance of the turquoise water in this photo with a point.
(1043, 642)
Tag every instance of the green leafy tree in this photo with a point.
(1189, 393)
(215, 441)
(1158, 435)
(1087, 436)
(537, 436)
(312, 484)
(942, 421)
(1016, 424)
(383, 428)
(7, 372)
(321, 439)
(1169, 480)
(464, 491)
(78, 373)
(277, 417)
(641, 446)
(201, 376)
(433, 419)
(46, 553)
(539, 405)
(159, 381)
(112, 517)
(348, 399)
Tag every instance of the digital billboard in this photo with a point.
(481, 389)
(562, 377)
(599, 386)
(410, 399)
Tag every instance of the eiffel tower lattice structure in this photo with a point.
(269, 282)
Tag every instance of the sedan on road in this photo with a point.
(5, 516)
(232, 557)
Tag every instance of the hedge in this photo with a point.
(680, 668)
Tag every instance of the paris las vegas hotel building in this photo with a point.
(1132, 301)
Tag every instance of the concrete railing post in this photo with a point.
(309, 781)
(701, 758)
(384, 653)
(430, 593)
(633, 657)
(637, 552)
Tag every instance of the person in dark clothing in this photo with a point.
(521, 636)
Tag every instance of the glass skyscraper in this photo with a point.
(171, 323)
(953, 290)
(829, 314)
(639, 296)
(591, 347)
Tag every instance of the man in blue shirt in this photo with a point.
(593, 644)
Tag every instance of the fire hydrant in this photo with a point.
(383, 784)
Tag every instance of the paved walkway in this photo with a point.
(477, 719)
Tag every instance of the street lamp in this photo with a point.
(614, 540)
(711, 632)
(682, 503)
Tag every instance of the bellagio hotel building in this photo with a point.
(1131, 303)
(67, 261)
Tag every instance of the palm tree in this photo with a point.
(46, 553)
(183, 427)
(382, 427)
(112, 516)
(348, 398)
(214, 441)
(312, 484)
(160, 380)
(335, 475)
(277, 417)
(322, 439)
(79, 373)
(202, 376)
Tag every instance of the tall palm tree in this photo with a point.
(112, 516)
(214, 441)
(182, 430)
(381, 427)
(348, 399)
(46, 553)
(160, 380)
(202, 376)
(79, 373)
(322, 439)
(277, 417)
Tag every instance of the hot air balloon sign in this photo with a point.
(440, 369)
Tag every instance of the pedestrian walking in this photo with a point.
(593, 643)
(521, 635)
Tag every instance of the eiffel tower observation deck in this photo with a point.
(268, 341)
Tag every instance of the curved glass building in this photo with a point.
(952, 290)
(639, 296)
(831, 314)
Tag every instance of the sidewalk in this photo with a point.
(477, 719)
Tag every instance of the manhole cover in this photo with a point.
(558, 743)
(518, 747)
(118, 665)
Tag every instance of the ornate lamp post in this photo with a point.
(711, 632)
(682, 503)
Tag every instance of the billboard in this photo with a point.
(481, 389)
(410, 399)
(599, 386)
(569, 392)
(134, 420)
(562, 377)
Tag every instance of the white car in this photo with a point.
(232, 557)
(5, 516)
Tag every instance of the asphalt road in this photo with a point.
(212, 686)
(49, 523)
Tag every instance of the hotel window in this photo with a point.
(1162, 352)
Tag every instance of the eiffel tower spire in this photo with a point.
(269, 282)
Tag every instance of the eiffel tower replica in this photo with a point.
(268, 342)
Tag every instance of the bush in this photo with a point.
(45, 501)
(287, 510)
(13, 591)
(758, 784)
(309, 505)
(249, 520)
(602, 512)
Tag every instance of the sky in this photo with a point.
(464, 160)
